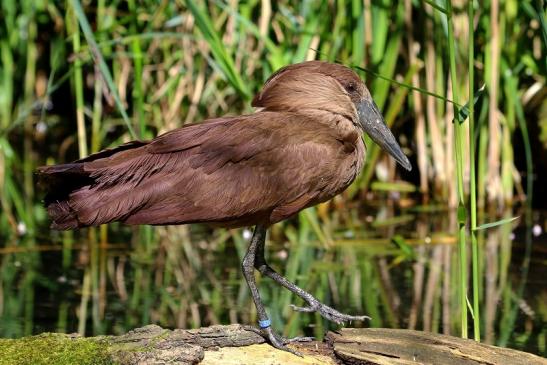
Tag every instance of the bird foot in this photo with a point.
(279, 342)
(329, 313)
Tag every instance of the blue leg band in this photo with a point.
(264, 324)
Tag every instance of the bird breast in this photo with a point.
(349, 159)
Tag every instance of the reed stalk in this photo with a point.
(138, 92)
(186, 61)
(77, 77)
(472, 178)
(96, 136)
(29, 83)
(459, 172)
(495, 128)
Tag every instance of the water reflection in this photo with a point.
(399, 267)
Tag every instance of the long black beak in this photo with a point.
(373, 124)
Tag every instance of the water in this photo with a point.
(190, 276)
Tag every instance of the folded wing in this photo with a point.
(259, 168)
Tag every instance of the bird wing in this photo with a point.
(259, 168)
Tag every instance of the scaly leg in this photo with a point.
(264, 323)
(314, 305)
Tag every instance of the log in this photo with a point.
(382, 346)
(237, 344)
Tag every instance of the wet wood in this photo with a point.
(233, 344)
(237, 344)
(384, 346)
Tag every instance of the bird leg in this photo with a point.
(264, 322)
(314, 305)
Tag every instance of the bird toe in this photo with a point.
(280, 342)
(329, 313)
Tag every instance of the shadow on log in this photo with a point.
(236, 344)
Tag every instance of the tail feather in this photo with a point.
(73, 186)
(60, 181)
(63, 217)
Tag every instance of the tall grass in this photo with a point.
(71, 75)
(459, 142)
(472, 175)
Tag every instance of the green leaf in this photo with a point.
(439, 8)
(405, 248)
(399, 219)
(462, 215)
(496, 223)
(275, 54)
(539, 10)
(408, 86)
(463, 113)
(470, 307)
(401, 186)
(99, 59)
(220, 54)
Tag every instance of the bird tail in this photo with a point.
(71, 191)
(60, 181)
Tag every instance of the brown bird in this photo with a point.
(302, 147)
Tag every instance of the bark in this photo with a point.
(397, 346)
(237, 344)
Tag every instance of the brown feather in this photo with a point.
(301, 149)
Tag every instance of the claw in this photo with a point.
(302, 309)
(329, 313)
(278, 341)
(300, 339)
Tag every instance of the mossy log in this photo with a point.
(236, 344)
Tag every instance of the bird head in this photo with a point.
(329, 87)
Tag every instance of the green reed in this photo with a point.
(462, 231)
(383, 45)
(187, 61)
(472, 176)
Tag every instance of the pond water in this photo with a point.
(399, 266)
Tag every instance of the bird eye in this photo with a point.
(350, 88)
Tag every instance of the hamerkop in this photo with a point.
(301, 147)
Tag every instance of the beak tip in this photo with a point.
(406, 164)
(403, 161)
